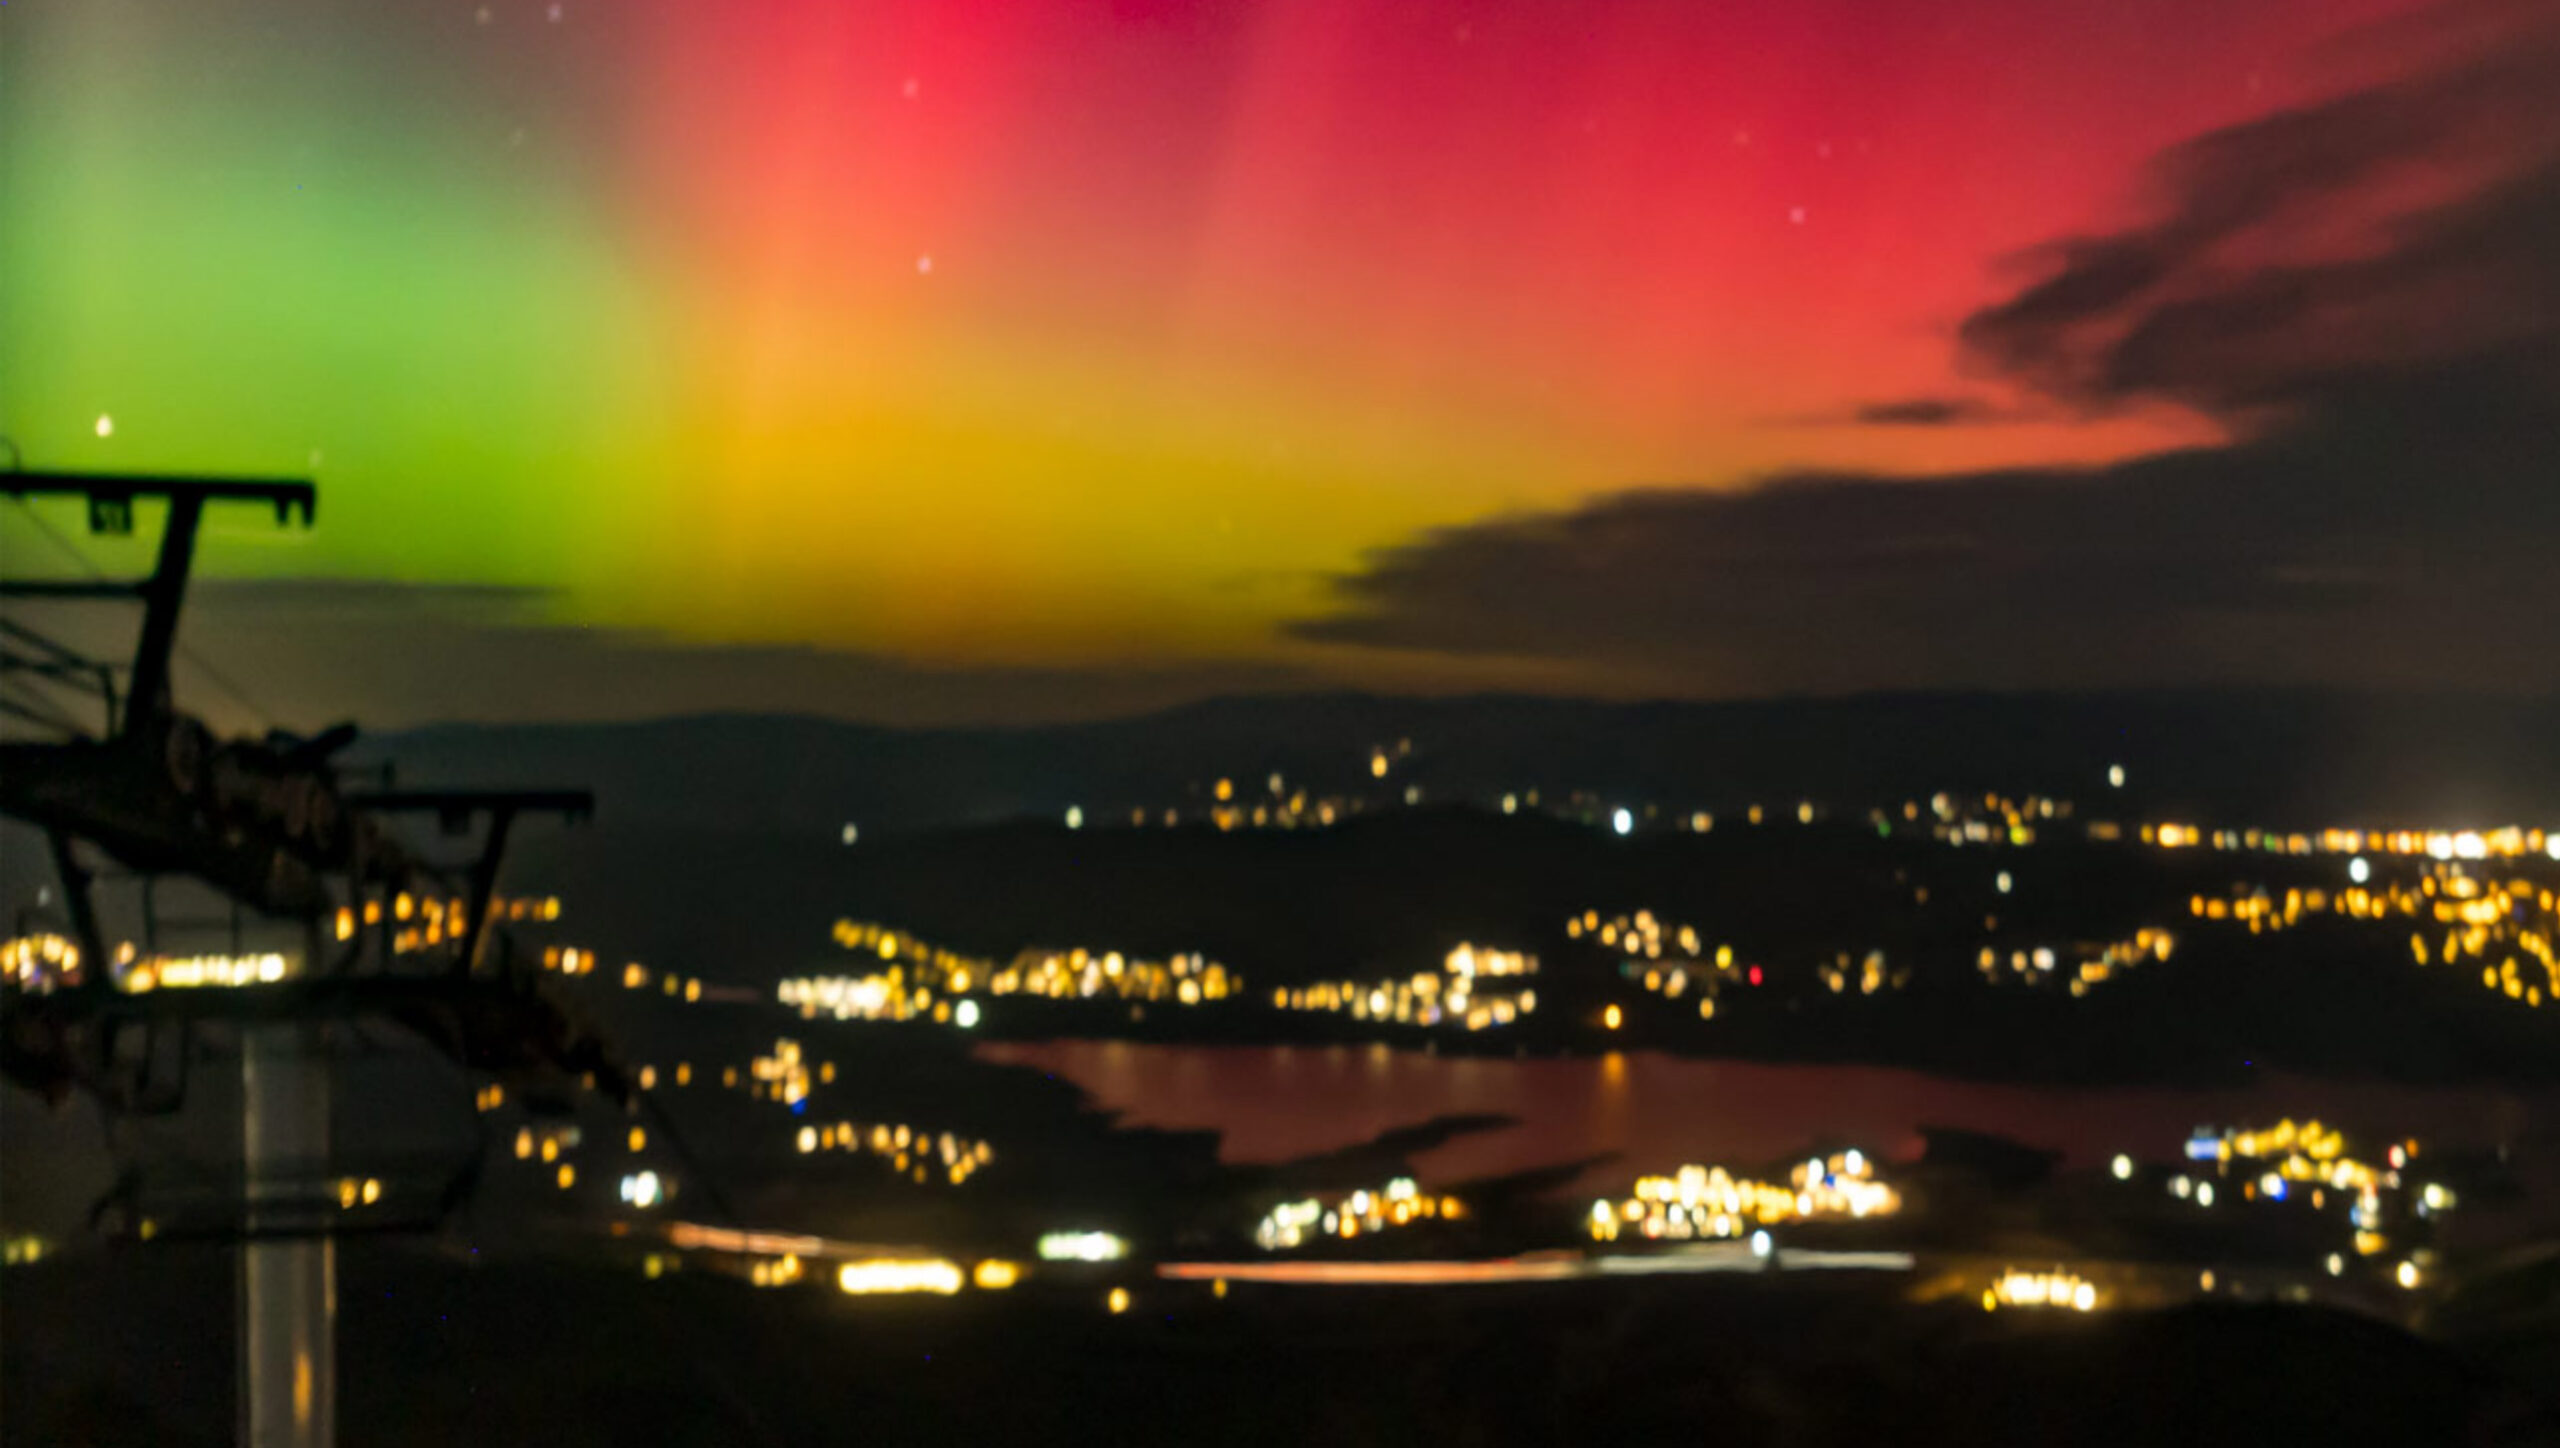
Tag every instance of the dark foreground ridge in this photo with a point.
(567, 1356)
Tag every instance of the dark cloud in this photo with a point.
(2365, 290)
(1926, 412)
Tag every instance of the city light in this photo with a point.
(1623, 821)
(1082, 1247)
(917, 979)
(1399, 1203)
(642, 1189)
(1476, 988)
(899, 1274)
(2056, 1288)
(1708, 1202)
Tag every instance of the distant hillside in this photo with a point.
(1382, 898)
(2291, 758)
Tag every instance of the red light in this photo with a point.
(1755, 975)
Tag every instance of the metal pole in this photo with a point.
(288, 1286)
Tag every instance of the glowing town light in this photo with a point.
(1118, 1301)
(965, 1014)
(1378, 764)
(2115, 776)
(1511, 804)
(1623, 821)
(995, 1274)
(1613, 1017)
(1075, 817)
(2122, 1166)
(1082, 1247)
(2551, 844)
(642, 1189)
(568, 1176)
(850, 832)
(2337, 1265)
(2204, 1194)
(2358, 871)
(2272, 1184)
(2406, 1274)
(1761, 1246)
(2001, 882)
(899, 1274)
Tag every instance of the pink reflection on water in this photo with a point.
(1273, 1103)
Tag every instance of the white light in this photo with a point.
(1075, 817)
(891, 1274)
(1760, 1245)
(2358, 870)
(2407, 1274)
(2122, 1166)
(2272, 1185)
(2551, 844)
(2084, 1297)
(1510, 804)
(850, 833)
(1623, 821)
(2115, 776)
(1082, 1247)
(965, 1015)
(2337, 1265)
(106, 425)
(2002, 882)
(641, 1189)
(1854, 1161)
(2179, 1186)
(2204, 1194)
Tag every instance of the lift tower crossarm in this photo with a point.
(111, 498)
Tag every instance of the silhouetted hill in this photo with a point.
(2273, 757)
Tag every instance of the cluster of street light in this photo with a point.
(910, 1151)
(1477, 988)
(1709, 1202)
(2508, 926)
(1348, 1216)
(2083, 966)
(2310, 1163)
(923, 981)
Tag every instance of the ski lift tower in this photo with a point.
(266, 824)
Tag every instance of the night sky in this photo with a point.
(1048, 358)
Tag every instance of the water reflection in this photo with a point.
(1275, 1103)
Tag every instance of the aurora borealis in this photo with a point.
(1060, 337)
